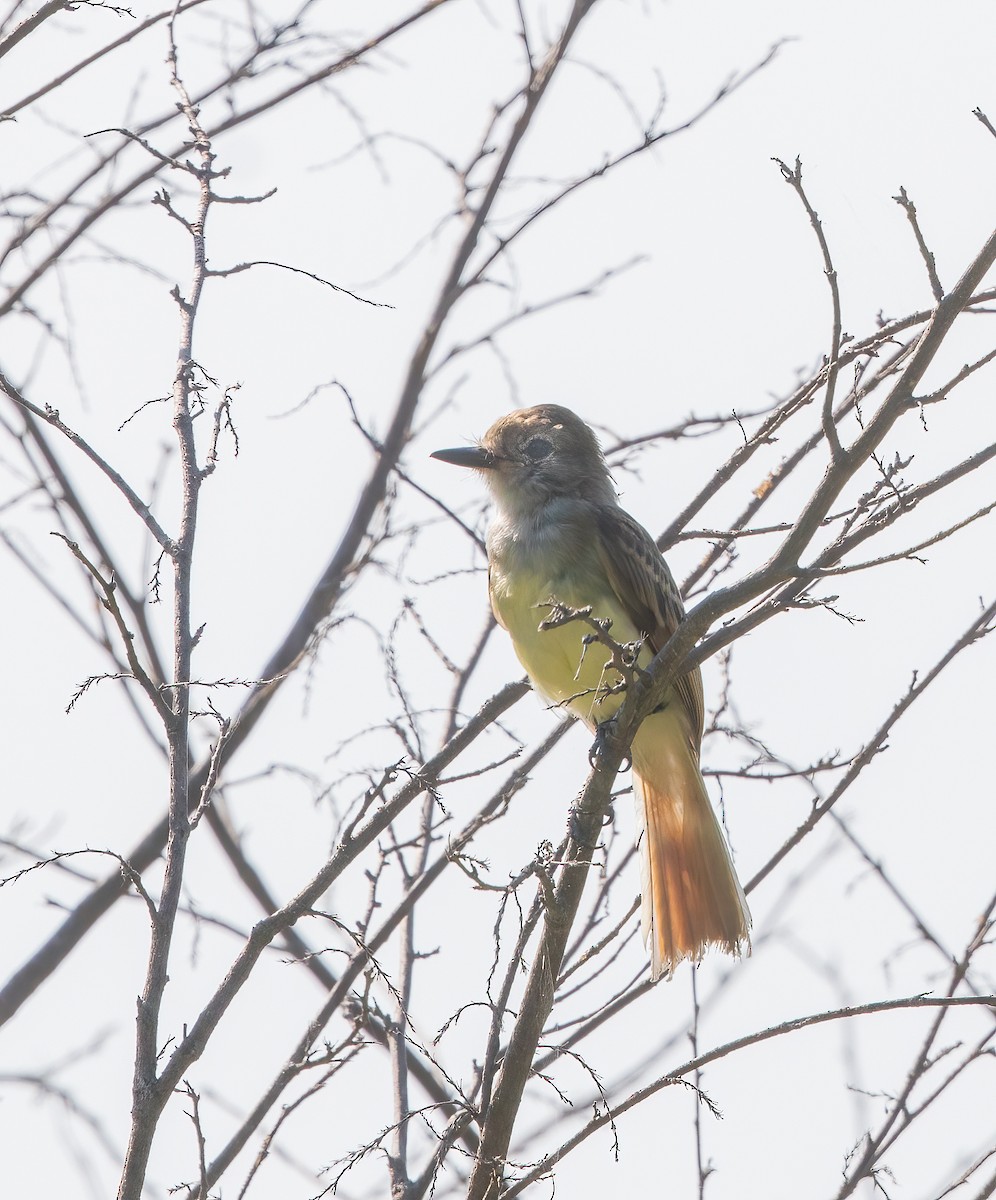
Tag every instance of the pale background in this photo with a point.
(725, 306)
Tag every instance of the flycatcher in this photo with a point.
(559, 535)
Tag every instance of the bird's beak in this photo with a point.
(467, 456)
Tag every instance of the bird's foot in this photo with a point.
(576, 824)
(605, 731)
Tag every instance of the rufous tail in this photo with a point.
(691, 897)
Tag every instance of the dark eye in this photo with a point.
(537, 448)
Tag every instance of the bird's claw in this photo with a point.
(575, 826)
(604, 732)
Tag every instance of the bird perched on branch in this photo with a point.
(560, 541)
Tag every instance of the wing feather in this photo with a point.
(646, 589)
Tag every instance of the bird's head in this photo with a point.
(535, 455)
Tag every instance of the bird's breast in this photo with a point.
(529, 576)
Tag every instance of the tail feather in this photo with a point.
(691, 897)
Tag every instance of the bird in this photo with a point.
(559, 537)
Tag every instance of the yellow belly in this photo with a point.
(567, 672)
